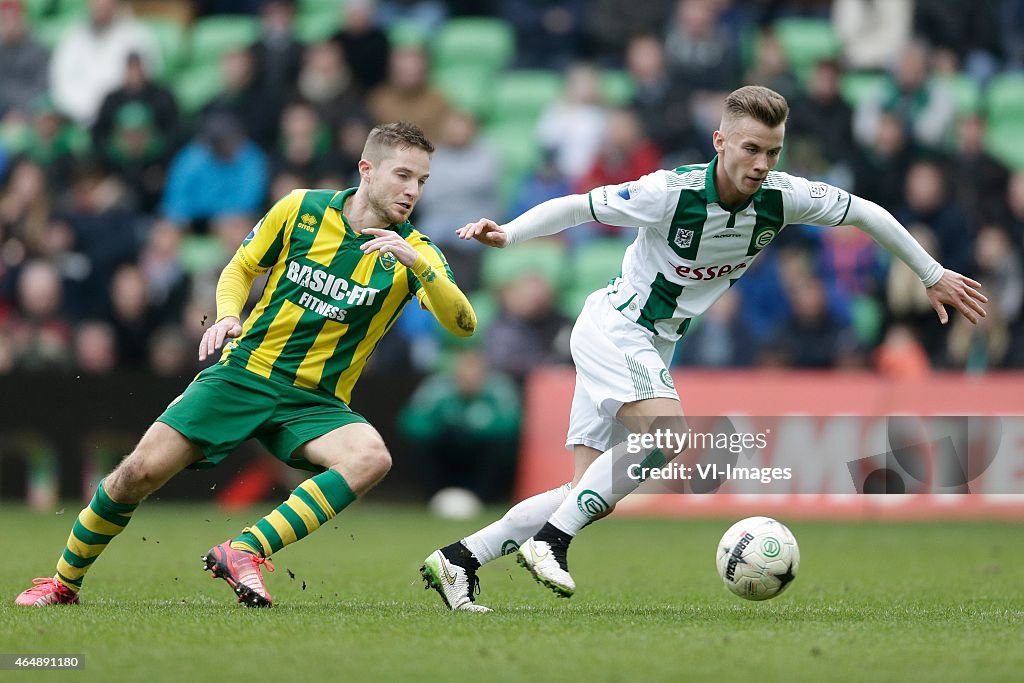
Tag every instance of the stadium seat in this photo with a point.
(516, 143)
(546, 257)
(316, 6)
(170, 35)
(1005, 99)
(523, 94)
(856, 87)
(216, 35)
(73, 9)
(483, 41)
(202, 254)
(408, 32)
(806, 41)
(1005, 141)
(467, 86)
(617, 87)
(598, 261)
(965, 91)
(49, 32)
(38, 11)
(317, 26)
(570, 301)
(196, 85)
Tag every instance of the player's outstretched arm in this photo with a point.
(546, 218)
(232, 291)
(960, 292)
(945, 287)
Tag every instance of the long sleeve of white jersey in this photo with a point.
(817, 203)
(887, 231)
(642, 202)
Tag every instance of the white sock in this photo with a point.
(522, 521)
(602, 485)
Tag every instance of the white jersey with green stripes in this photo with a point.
(691, 247)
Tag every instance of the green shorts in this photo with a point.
(225, 405)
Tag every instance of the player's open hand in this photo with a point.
(962, 293)
(390, 242)
(213, 338)
(484, 230)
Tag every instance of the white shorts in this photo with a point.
(617, 362)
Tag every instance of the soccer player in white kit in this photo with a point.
(700, 228)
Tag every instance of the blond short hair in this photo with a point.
(390, 136)
(759, 103)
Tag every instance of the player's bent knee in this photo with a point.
(133, 479)
(375, 460)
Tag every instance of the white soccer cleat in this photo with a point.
(453, 583)
(540, 559)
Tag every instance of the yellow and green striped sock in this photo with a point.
(315, 501)
(96, 525)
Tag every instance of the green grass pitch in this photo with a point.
(873, 601)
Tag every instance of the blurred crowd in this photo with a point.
(141, 141)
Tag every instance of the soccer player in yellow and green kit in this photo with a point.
(342, 267)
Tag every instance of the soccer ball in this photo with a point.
(758, 558)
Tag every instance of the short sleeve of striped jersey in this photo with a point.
(812, 202)
(639, 203)
(262, 246)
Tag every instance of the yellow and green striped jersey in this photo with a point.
(326, 304)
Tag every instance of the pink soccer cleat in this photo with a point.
(242, 572)
(47, 591)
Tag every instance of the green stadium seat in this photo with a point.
(617, 87)
(170, 36)
(38, 11)
(857, 87)
(49, 32)
(467, 86)
(316, 27)
(570, 301)
(1005, 141)
(524, 94)
(483, 41)
(216, 35)
(408, 33)
(806, 41)
(546, 257)
(1005, 98)
(965, 91)
(197, 85)
(598, 261)
(74, 9)
(516, 143)
(316, 6)
(202, 254)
